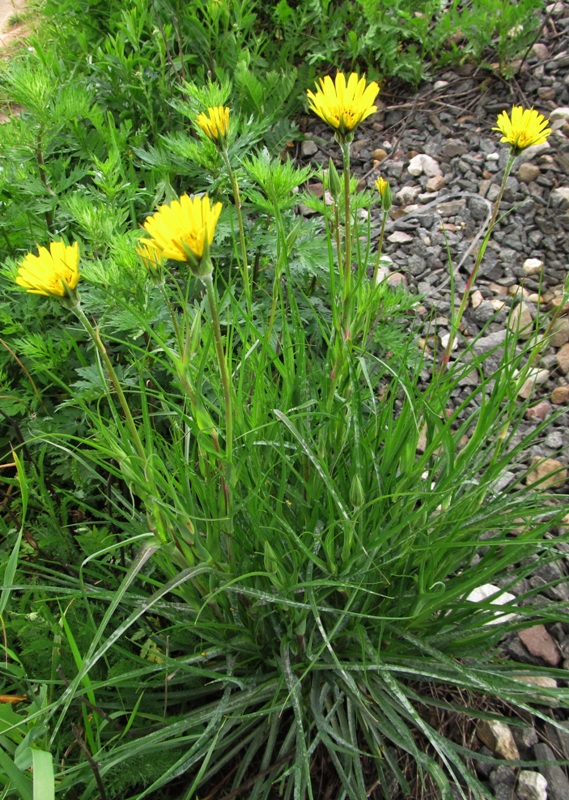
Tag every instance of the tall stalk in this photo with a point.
(94, 334)
(347, 277)
(379, 248)
(237, 197)
(223, 371)
(472, 277)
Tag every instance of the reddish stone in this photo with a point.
(563, 358)
(541, 644)
(540, 411)
(560, 395)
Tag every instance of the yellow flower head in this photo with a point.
(150, 254)
(215, 124)
(525, 128)
(51, 272)
(184, 229)
(343, 105)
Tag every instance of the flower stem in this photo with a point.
(337, 238)
(472, 277)
(379, 248)
(237, 197)
(223, 371)
(94, 334)
(347, 282)
(227, 479)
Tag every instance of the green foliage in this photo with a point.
(488, 31)
(298, 580)
(239, 528)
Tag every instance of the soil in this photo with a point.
(8, 9)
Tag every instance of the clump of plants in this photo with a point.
(247, 570)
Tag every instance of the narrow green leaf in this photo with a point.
(15, 777)
(43, 778)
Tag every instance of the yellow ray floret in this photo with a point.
(181, 229)
(215, 124)
(343, 105)
(381, 185)
(384, 190)
(524, 128)
(52, 272)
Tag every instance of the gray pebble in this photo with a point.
(557, 781)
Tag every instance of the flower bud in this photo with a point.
(384, 190)
(334, 183)
(357, 497)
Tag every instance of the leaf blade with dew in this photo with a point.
(200, 751)
(145, 552)
(12, 561)
(317, 465)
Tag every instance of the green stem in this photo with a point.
(281, 263)
(379, 248)
(237, 197)
(338, 242)
(347, 228)
(228, 478)
(39, 153)
(479, 257)
(224, 373)
(343, 335)
(94, 334)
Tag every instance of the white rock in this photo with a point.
(536, 377)
(397, 279)
(532, 266)
(520, 321)
(445, 338)
(540, 50)
(535, 150)
(517, 291)
(416, 165)
(426, 197)
(498, 737)
(489, 590)
(559, 113)
(440, 84)
(531, 785)
(424, 164)
(476, 298)
(408, 194)
(500, 483)
(555, 9)
(382, 274)
(559, 197)
(538, 680)
(400, 237)
(309, 148)
(560, 333)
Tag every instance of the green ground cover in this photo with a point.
(238, 531)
